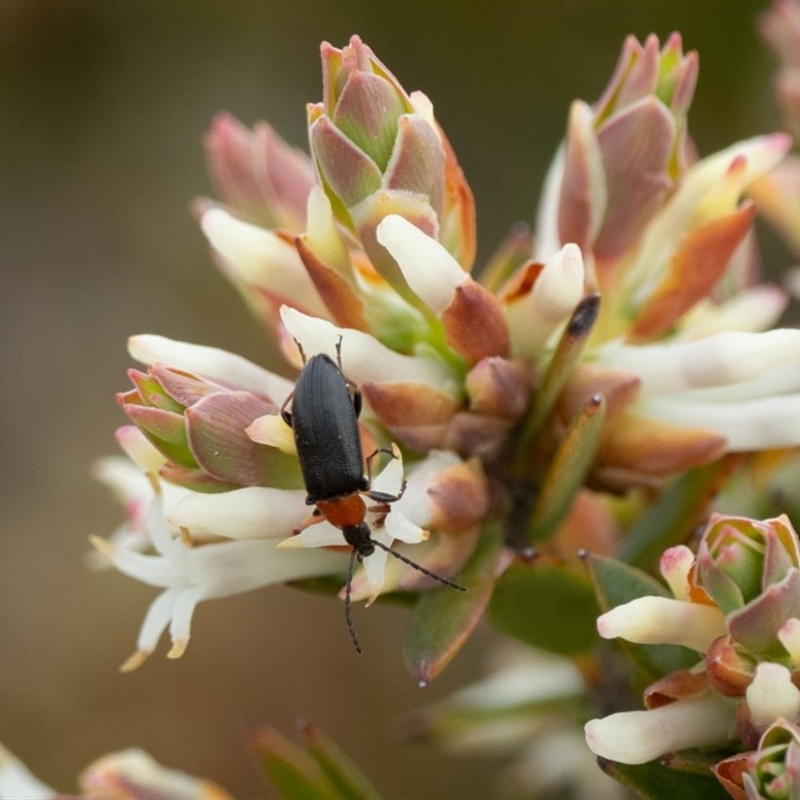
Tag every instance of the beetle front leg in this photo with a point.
(312, 519)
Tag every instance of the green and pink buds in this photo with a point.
(622, 156)
(379, 151)
(199, 424)
(737, 604)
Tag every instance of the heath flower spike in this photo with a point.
(590, 389)
(737, 603)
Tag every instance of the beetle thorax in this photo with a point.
(343, 512)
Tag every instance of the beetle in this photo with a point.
(325, 406)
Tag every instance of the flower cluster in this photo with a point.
(737, 604)
(593, 379)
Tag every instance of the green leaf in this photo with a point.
(444, 618)
(547, 606)
(677, 513)
(653, 781)
(616, 583)
(570, 346)
(568, 470)
(347, 779)
(292, 771)
(321, 771)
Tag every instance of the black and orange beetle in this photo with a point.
(325, 407)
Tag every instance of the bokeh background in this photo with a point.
(103, 106)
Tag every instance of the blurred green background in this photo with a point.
(103, 106)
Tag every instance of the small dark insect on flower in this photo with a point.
(324, 418)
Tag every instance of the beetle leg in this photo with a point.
(383, 497)
(312, 519)
(382, 509)
(302, 352)
(388, 450)
(339, 353)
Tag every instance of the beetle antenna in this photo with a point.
(417, 567)
(348, 618)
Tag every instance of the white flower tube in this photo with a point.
(662, 620)
(364, 358)
(432, 273)
(535, 315)
(254, 512)
(260, 257)
(210, 362)
(674, 566)
(636, 737)
(772, 695)
(189, 575)
(718, 361)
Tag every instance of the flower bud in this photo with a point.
(379, 151)
(258, 175)
(200, 427)
(621, 156)
(773, 771)
(740, 558)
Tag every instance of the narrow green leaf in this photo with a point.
(677, 513)
(292, 771)
(653, 781)
(444, 618)
(570, 346)
(547, 606)
(616, 583)
(568, 469)
(349, 782)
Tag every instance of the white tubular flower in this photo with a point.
(210, 362)
(260, 258)
(140, 450)
(772, 695)
(254, 512)
(753, 309)
(636, 737)
(18, 783)
(710, 187)
(133, 490)
(323, 235)
(662, 620)
(535, 314)
(432, 273)
(189, 575)
(363, 357)
(744, 386)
